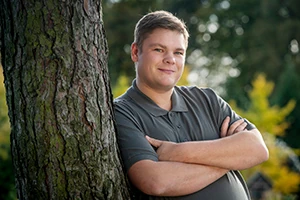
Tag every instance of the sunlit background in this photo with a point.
(246, 50)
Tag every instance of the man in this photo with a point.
(180, 142)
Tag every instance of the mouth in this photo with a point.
(167, 71)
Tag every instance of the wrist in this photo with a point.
(181, 153)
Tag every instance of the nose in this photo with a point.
(169, 59)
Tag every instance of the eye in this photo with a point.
(179, 53)
(158, 50)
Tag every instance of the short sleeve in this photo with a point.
(131, 138)
(223, 109)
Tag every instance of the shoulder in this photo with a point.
(123, 104)
(128, 106)
(196, 92)
(204, 98)
(123, 98)
(194, 89)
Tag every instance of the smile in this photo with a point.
(168, 71)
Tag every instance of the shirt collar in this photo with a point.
(178, 103)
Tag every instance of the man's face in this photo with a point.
(161, 62)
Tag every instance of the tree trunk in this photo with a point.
(54, 56)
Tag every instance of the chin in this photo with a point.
(167, 87)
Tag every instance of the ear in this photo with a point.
(134, 52)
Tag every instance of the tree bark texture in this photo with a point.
(54, 56)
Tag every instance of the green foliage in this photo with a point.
(253, 36)
(119, 19)
(119, 29)
(121, 86)
(7, 186)
(289, 85)
(270, 120)
(4, 123)
(237, 39)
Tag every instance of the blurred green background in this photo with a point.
(246, 50)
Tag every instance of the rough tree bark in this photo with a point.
(54, 56)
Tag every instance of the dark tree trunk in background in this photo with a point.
(54, 56)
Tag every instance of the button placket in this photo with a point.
(171, 116)
(177, 127)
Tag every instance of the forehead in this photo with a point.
(166, 37)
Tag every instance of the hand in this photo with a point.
(164, 149)
(237, 126)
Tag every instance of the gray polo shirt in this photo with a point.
(197, 114)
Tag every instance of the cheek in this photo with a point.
(143, 69)
(180, 60)
(181, 69)
(180, 64)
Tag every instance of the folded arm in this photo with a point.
(232, 151)
(172, 178)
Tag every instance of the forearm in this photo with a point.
(236, 152)
(172, 178)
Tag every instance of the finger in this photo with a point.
(225, 126)
(241, 127)
(154, 142)
(234, 126)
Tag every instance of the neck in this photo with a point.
(160, 97)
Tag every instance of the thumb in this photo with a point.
(224, 127)
(154, 142)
